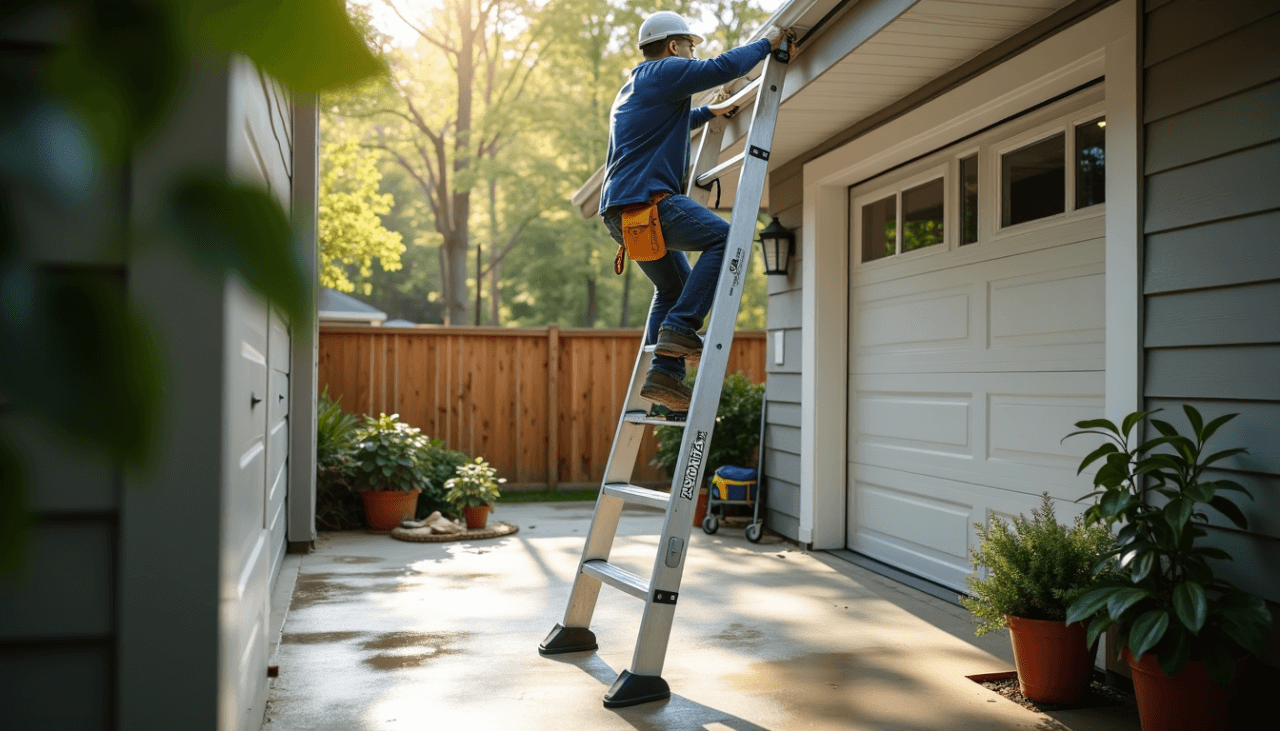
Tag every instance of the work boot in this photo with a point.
(675, 345)
(666, 389)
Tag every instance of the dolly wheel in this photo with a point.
(755, 532)
(710, 525)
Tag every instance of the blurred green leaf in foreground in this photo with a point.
(78, 106)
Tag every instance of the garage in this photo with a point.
(976, 333)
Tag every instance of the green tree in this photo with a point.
(351, 230)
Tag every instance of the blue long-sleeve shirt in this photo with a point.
(652, 117)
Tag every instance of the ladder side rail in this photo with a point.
(668, 566)
(604, 521)
(706, 158)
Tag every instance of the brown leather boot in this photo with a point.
(666, 389)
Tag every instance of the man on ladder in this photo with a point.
(640, 198)
(648, 147)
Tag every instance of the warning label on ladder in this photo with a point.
(695, 461)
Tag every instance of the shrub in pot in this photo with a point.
(474, 488)
(737, 431)
(390, 470)
(1035, 569)
(337, 507)
(440, 464)
(1183, 630)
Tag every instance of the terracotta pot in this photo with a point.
(384, 509)
(477, 516)
(1188, 701)
(1054, 663)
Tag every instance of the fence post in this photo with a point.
(553, 407)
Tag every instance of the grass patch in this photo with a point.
(549, 496)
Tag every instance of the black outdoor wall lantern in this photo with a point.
(779, 245)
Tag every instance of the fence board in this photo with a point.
(540, 404)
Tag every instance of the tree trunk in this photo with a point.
(494, 299)
(591, 302)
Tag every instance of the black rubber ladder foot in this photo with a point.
(568, 639)
(631, 690)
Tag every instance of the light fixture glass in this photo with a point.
(778, 244)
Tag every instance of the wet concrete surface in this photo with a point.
(383, 634)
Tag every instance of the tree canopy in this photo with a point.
(492, 116)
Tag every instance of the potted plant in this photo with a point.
(1184, 631)
(1035, 569)
(390, 470)
(474, 489)
(337, 507)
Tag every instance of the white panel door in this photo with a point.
(963, 382)
(253, 520)
(277, 458)
(968, 363)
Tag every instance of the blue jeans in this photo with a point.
(681, 298)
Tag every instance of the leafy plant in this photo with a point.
(737, 431)
(337, 508)
(74, 120)
(1166, 598)
(475, 484)
(390, 456)
(440, 465)
(1036, 568)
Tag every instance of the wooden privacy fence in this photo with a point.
(540, 404)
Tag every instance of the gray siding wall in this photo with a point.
(58, 625)
(110, 561)
(1212, 257)
(782, 432)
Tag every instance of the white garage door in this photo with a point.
(976, 335)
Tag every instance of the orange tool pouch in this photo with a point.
(641, 233)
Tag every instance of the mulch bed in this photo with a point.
(1097, 695)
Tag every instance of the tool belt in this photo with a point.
(641, 233)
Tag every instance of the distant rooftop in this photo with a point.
(338, 306)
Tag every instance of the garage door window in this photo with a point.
(1043, 167)
(1091, 163)
(1034, 180)
(908, 218)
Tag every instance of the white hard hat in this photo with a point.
(664, 24)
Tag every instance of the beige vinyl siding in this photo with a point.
(1211, 278)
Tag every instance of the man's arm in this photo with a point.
(683, 78)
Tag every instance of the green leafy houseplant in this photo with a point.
(1165, 598)
(474, 484)
(441, 464)
(336, 506)
(390, 456)
(1036, 568)
(737, 430)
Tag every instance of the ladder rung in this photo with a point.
(742, 97)
(639, 495)
(616, 577)
(642, 417)
(721, 170)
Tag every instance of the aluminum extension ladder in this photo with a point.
(643, 681)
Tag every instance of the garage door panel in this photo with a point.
(926, 524)
(1066, 306)
(1009, 440)
(903, 520)
(1028, 430)
(924, 421)
(929, 321)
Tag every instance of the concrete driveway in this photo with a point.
(383, 634)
